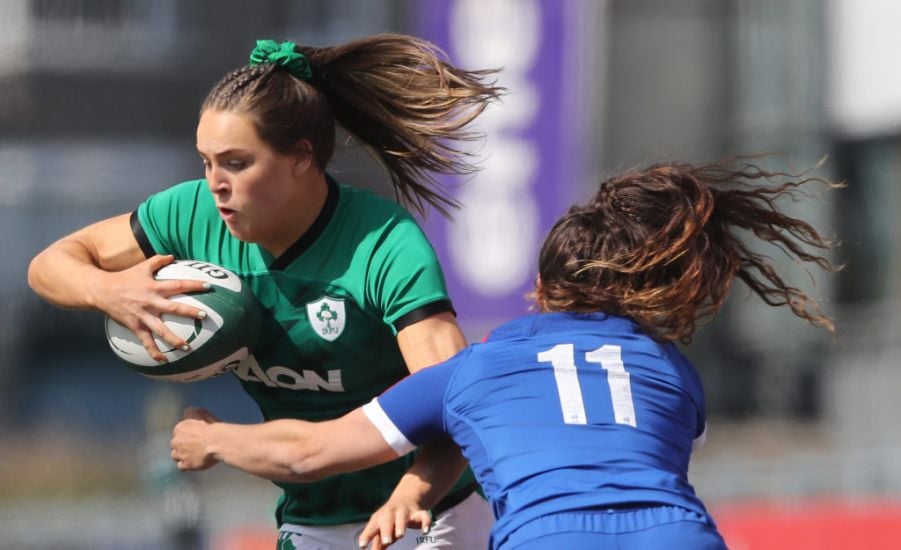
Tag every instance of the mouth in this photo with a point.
(226, 213)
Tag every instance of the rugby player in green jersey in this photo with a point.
(354, 296)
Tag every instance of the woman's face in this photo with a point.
(251, 183)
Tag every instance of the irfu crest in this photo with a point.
(326, 316)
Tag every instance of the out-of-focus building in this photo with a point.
(864, 108)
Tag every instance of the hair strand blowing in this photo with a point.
(398, 96)
(663, 245)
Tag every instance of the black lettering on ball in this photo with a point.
(210, 270)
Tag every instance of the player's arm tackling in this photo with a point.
(280, 450)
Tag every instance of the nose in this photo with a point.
(216, 180)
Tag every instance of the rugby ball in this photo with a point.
(218, 342)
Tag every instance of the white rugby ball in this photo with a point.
(218, 342)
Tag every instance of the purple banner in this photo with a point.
(532, 157)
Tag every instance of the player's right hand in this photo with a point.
(137, 301)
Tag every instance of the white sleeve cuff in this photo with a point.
(700, 440)
(394, 437)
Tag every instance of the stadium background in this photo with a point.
(98, 102)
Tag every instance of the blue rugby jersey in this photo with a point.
(559, 412)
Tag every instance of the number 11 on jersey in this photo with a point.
(609, 357)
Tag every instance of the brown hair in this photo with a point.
(395, 94)
(662, 246)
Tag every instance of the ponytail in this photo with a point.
(409, 106)
(395, 94)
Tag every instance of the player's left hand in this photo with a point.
(190, 440)
(389, 523)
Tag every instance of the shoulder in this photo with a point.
(190, 195)
(373, 224)
(682, 365)
(516, 328)
(190, 187)
(439, 379)
(163, 221)
(192, 191)
(370, 209)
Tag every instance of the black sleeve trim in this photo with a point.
(141, 236)
(423, 312)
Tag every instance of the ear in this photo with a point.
(302, 154)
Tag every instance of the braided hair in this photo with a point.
(395, 94)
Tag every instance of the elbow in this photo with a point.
(33, 275)
(302, 472)
(38, 279)
(315, 450)
(306, 466)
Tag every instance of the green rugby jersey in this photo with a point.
(333, 304)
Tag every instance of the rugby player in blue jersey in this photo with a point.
(578, 421)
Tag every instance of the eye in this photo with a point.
(235, 164)
(206, 163)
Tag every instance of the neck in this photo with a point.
(299, 212)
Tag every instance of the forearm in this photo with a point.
(434, 472)
(65, 274)
(280, 450)
(283, 450)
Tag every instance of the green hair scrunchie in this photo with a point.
(284, 55)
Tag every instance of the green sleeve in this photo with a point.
(171, 219)
(405, 274)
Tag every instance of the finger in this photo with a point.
(368, 533)
(182, 286)
(199, 414)
(161, 330)
(386, 530)
(373, 533)
(400, 523)
(424, 519)
(193, 413)
(146, 339)
(155, 263)
(179, 309)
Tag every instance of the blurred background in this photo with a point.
(98, 106)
